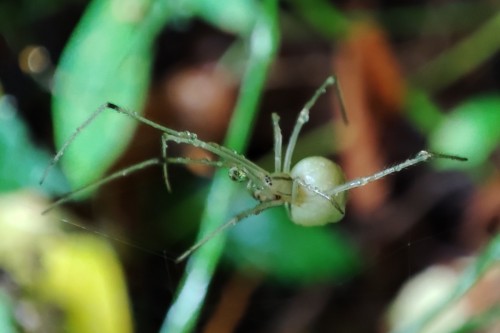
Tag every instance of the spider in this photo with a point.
(313, 191)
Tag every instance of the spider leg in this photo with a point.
(61, 151)
(131, 169)
(89, 120)
(303, 118)
(278, 142)
(422, 156)
(182, 160)
(230, 157)
(256, 173)
(340, 96)
(241, 216)
(164, 146)
(113, 176)
(330, 198)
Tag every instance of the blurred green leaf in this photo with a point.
(482, 321)
(107, 59)
(408, 20)
(272, 244)
(462, 58)
(472, 130)
(237, 16)
(422, 112)
(323, 16)
(263, 43)
(6, 314)
(22, 163)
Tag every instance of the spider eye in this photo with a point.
(237, 175)
(268, 181)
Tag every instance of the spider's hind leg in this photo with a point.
(421, 157)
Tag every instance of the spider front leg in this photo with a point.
(241, 216)
(90, 119)
(73, 136)
(231, 159)
(130, 170)
(118, 174)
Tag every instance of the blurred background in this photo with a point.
(417, 251)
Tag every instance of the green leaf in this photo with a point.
(323, 16)
(108, 59)
(6, 314)
(22, 163)
(422, 112)
(472, 130)
(263, 42)
(481, 321)
(237, 16)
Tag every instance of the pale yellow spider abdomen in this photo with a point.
(309, 208)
